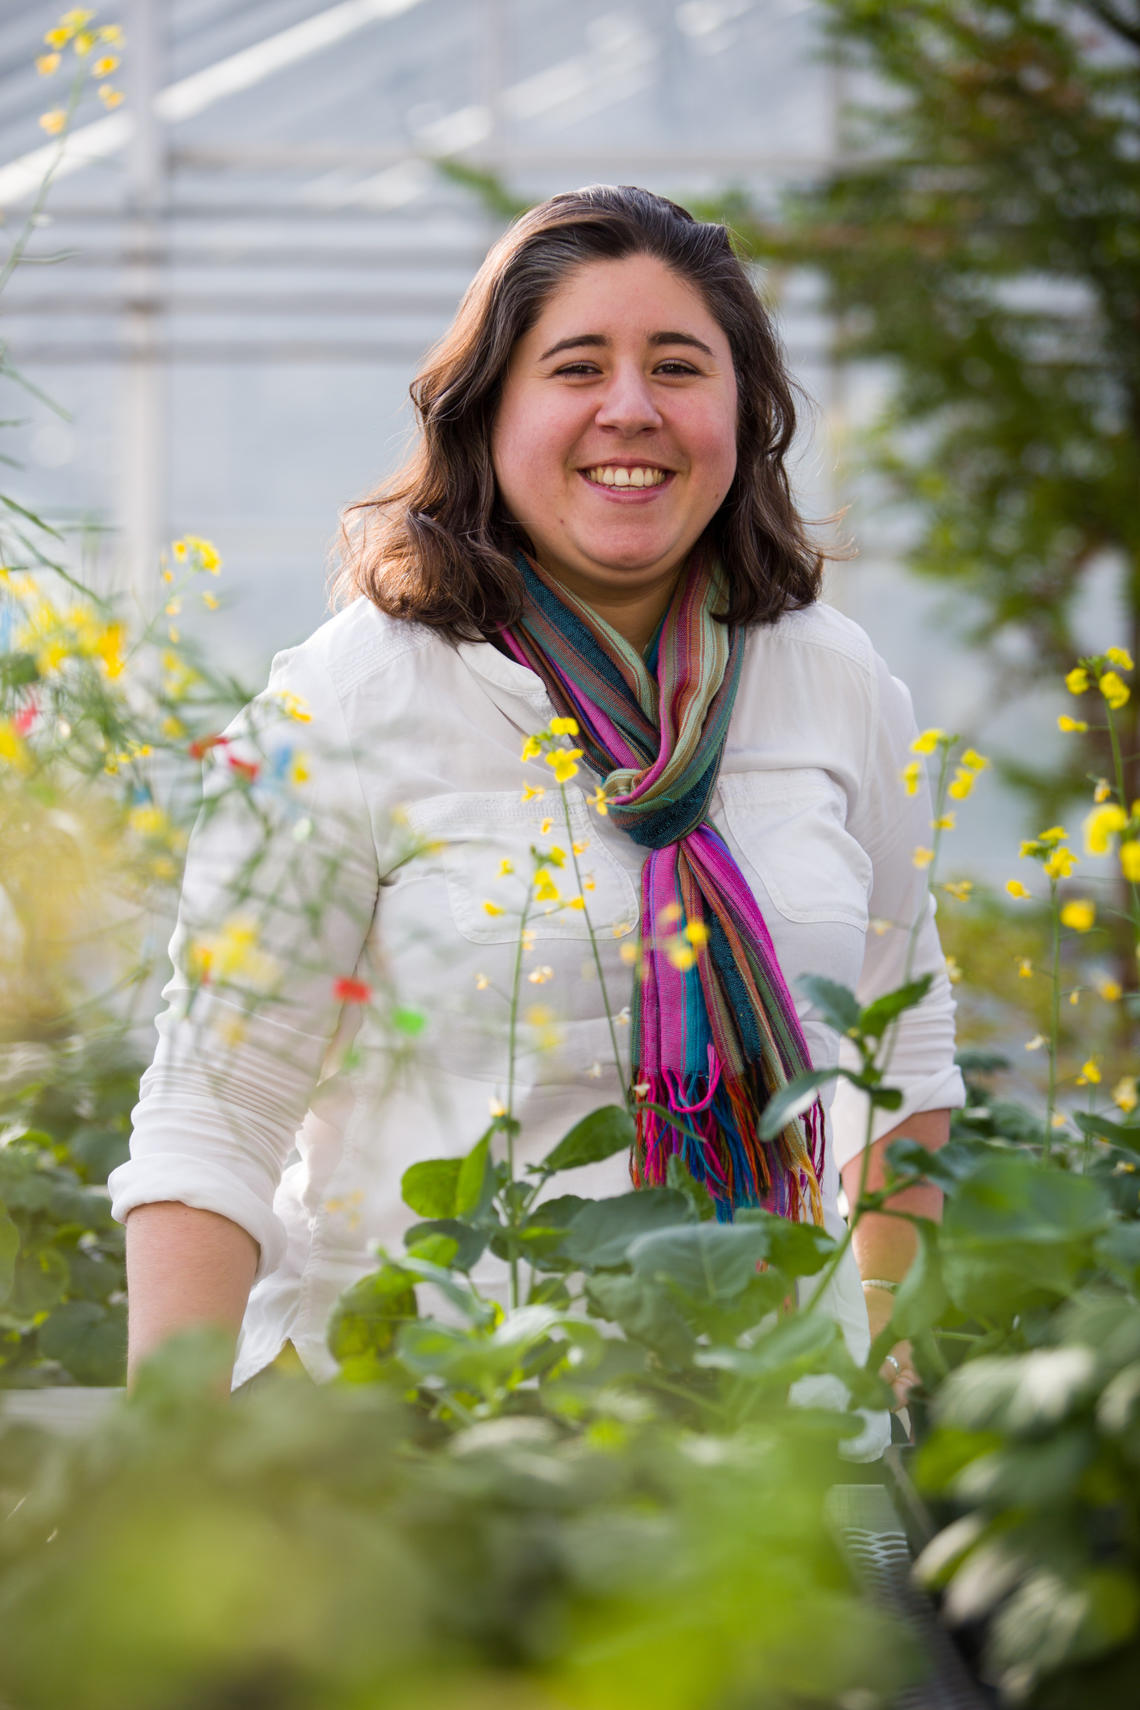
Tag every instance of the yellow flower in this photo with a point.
(294, 706)
(210, 601)
(960, 784)
(944, 822)
(1103, 790)
(208, 557)
(564, 727)
(911, 776)
(953, 971)
(1069, 725)
(180, 550)
(922, 857)
(1036, 1042)
(629, 953)
(496, 1107)
(299, 773)
(1101, 826)
(581, 847)
(562, 762)
(533, 792)
(1018, 890)
(927, 741)
(545, 890)
(681, 957)
(973, 761)
(1090, 1073)
(1124, 1094)
(1075, 997)
(1119, 656)
(13, 749)
(174, 635)
(1130, 860)
(53, 122)
(1060, 864)
(556, 856)
(112, 98)
(57, 38)
(539, 976)
(481, 982)
(1024, 968)
(148, 820)
(577, 902)
(959, 889)
(532, 748)
(1052, 834)
(1078, 915)
(1077, 680)
(696, 932)
(83, 43)
(1114, 689)
(544, 828)
(75, 19)
(1110, 990)
(111, 33)
(598, 802)
(173, 607)
(506, 866)
(47, 63)
(105, 66)
(492, 908)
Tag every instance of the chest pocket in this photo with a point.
(789, 832)
(473, 835)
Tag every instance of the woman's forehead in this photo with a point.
(638, 294)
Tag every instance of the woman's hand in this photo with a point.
(898, 1368)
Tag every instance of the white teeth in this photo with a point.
(617, 475)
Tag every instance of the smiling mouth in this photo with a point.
(619, 475)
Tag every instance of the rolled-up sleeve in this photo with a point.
(278, 895)
(902, 939)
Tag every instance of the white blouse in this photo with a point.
(388, 795)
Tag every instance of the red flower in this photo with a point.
(24, 720)
(351, 991)
(199, 749)
(247, 769)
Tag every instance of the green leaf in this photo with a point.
(792, 1100)
(877, 1017)
(794, 1249)
(366, 1317)
(601, 1234)
(788, 1350)
(431, 1188)
(946, 1166)
(88, 1340)
(679, 1176)
(836, 1005)
(1018, 1232)
(39, 1283)
(541, 1238)
(705, 1261)
(9, 1247)
(473, 1186)
(648, 1315)
(599, 1135)
(437, 1249)
(1119, 1134)
(920, 1299)
(469, 1244)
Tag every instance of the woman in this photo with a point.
(595, 528)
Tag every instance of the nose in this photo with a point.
(628, 404)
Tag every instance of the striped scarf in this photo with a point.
(714, 1028)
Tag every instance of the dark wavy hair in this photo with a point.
(434, 544)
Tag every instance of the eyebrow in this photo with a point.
(600, 341)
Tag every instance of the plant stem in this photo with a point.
(512, 1041)
(1054, 1019)
(623, 1078)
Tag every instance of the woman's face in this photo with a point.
(615, 438)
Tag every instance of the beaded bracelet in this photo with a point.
(880, 1282)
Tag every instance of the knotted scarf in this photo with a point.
(715, 1032)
